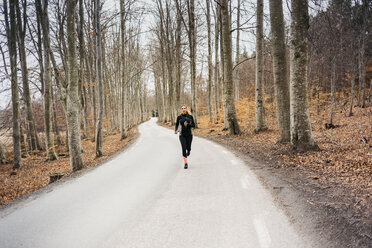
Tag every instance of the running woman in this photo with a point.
(186, 121)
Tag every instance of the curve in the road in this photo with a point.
(144, 198)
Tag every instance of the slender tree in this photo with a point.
(352, 90)
(123, 133)
(259, 83)
(178, 58)
(99, 80)
(73, 103)
(301, 133)
(281, 84)
(192, 46)
(208, 15)
(228, 85)
(21, 34)
(42, 10)
(216, 66)
(237, 54)
(82, 90)
(11, 33)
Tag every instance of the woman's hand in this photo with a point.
(185, 123)
(176, 131)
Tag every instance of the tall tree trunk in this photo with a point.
(178, 59)
(169, 58)
(123, 133)
(49, 137)
(222, 77)
(209, 61)
(281, 84)
(363, 77)
(361, 71)
(333, 91)
(192, 44)
(99, 81)
(216, 66)
(73, 103)
(55, 121)
(11, 31)
(301, 133)
(352, 90)
(237, 55)
(370, 90)
(21, 28)
(259, 83)
(81, 69)
(228, 85)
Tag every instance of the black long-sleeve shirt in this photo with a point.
(185, 130)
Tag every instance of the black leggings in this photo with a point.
(186, 144)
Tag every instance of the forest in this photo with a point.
(289, 81)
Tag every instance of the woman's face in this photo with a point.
(183, 109)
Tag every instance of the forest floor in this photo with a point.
(35, 171)
(333, 186)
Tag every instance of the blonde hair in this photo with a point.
(187, 110)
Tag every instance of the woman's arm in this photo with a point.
(192, 123)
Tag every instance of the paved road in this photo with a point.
(144, 198)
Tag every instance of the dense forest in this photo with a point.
(83, 70)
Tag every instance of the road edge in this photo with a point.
(10, 207)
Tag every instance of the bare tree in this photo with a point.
(11, 33)
(99, 80)
(301, 132)
(42, 10)
(352, 90)
(123, 133)
(228, 85)
(192, 46)
(208, 15)
(216, 66)
(21, 34)
(73, 103)
(259, 83)
(237, 54)
(281, 84)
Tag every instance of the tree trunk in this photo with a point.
(123, 133)
(2, 153)
(363, 77)
(301, 133)
(73, 103)
(237, 55)
(209, 61)
(228, 85)
(11, 32)
(49, 137)
(369, 91)
(259, 83)
(81, 69)
(21, 28)
(192, 44)
(352, 91)
(216, 66)
(178, 59)
(281, 84)
(222, 77)
(99, 81)
(333, 91)
(361, 71)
